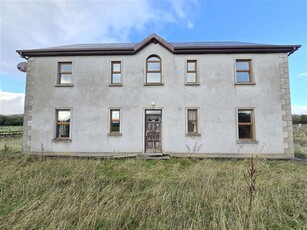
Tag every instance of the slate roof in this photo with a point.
(174, 47)
(132, 45)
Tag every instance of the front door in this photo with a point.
(153, 122)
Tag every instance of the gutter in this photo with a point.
(21, 55)
(177, 50)
(295, 48)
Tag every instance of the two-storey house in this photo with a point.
(211, 99)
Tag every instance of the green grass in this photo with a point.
(300, 140)
(55, 193)
(10, 128)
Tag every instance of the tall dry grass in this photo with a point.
(135, 194)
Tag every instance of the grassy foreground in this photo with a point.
(135, 194)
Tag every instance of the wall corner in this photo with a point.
(28, 105)
(286, 107)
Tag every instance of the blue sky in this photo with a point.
(54, 23)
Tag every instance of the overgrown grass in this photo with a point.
(300, 140)
(38, 193)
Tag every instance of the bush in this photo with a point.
(11, 120)
(299, 119)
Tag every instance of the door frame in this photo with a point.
(144, 132)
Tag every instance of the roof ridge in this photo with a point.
(204, 47)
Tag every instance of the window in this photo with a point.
(246, 124)
(243, 72)
(62, 124)
(65, 73)
(153, 70)
(192, 120)
(116, 75)
(191, 71)
(114, 121)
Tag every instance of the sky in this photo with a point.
(28, 24)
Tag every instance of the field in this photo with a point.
(10, 128)
(53, 193)
(300, 140)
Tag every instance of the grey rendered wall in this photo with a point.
(217, 98)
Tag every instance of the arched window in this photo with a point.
(153, 70)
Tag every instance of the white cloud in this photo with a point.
(190, 25)
(11, 103)
(27, 24)
(45, 23)
(303, 74)
(299, 109)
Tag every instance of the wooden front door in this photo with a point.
(153, 122)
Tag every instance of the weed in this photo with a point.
(42, 151)
(250, 178)
(6, 148)
(195, 148)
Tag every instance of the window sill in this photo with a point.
(247, 83)
(64, 85)
(192, 135)
(115, 134)
(153, 84)
(115, 85)
(66, 140)
(248, 142)
(192, 84)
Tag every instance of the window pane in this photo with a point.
(116, 78)
(154, 66)
(63, 131)
(244, 116)
(243, 77)
(65, 78)
(153, 77)
(153, 59)
(63, 116)
(115, 126)
(153, 112)
(116, 67)
(115, 115)
(245, 131)
(191, 115)
(191, 77)
(66, 67)
(242, 65)
(115, 122)
(192, 127)
(191, 66)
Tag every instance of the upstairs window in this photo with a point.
(246, 124)
(153, 70)
(62, 123)
(114, 121)
(116, 73)
(192, 121)
(191, 71)
(243, 72)
(64, 73)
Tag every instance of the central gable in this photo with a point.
(153, 38)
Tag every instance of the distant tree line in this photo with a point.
(11, 120)
(17, 120)
(299, 119)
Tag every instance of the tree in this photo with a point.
(296, 119)
(11, 120)
(304, 119)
